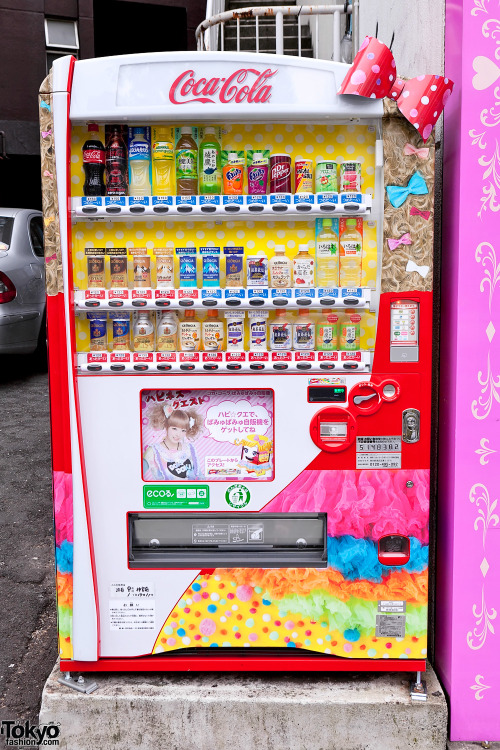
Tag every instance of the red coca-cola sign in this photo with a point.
(93, 156)
(245, 85)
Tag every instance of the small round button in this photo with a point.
(389, 390)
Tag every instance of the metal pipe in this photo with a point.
(336, 37)
(355, 27)
(299, 26)
(238, 34)
(279, 32)
(223, 26)
(256, 33)
(316, 38)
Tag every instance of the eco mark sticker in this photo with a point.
(237, 496)
(176, 496)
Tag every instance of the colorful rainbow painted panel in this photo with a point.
(63, 518)
(330, 611)
(218, 610)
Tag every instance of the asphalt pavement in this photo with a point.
(27, 580)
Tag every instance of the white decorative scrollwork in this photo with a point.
(479, 7)
(479, 687)
(477, 138)
(479, 495)
(486, 255)
(476, 638)
(491, 28)
(489, 393)
(491, 177)
(486, 114)
(484, 451)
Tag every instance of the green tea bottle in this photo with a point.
(209, 166)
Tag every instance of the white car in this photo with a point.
(22, 281)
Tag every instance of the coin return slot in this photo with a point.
(394, 550)
(250, 540)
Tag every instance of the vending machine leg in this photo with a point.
(77, 683)
(418, 689)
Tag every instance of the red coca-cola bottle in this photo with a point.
(94, 159)
(116, 162)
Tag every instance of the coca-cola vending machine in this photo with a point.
(240, 363)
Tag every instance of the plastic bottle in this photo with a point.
(303, 331)
(116, 163)
(235, 328)
(327, 331)
(280, 269)
(280, 331)
(186, 163)
(94, 161)
(303, 268)
(213, 332)
(163, 162)
(351, 252)
(166, 332)
(327, 256)
(190, 332)
(209, 167)
(139, 159)
(258, 269)
(258, 329)
(349, 333)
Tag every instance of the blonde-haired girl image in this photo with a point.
(175, 457)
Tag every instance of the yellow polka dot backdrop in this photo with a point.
(316, 142)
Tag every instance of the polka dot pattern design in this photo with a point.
(241, 615)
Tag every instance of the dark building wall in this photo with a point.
(23, 68)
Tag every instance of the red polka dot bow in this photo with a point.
(373, 74)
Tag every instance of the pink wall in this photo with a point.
(468, 586)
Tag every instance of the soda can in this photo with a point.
(326, 177)
(350, 177)
(303, 176)
(281, 173)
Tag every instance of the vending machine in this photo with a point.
(239, 278)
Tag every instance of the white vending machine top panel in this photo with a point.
(191, 85)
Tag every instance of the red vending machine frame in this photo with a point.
(359, 460)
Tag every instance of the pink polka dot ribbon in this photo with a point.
(373, 74)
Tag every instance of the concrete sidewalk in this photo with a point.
(215, 711)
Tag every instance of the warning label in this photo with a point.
(126, 614)
(390, 626)
(378, 460)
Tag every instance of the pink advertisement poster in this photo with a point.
(207, 434)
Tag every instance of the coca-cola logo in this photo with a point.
(280, 171)
(244, 85)
(93, 156)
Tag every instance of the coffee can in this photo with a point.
(326, 177)
(303, 176)
(281, 173)
(350, 177)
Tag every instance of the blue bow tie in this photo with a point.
(416, 186)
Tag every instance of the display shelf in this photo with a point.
(206, 207)
(224, 362)
(228, 299)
